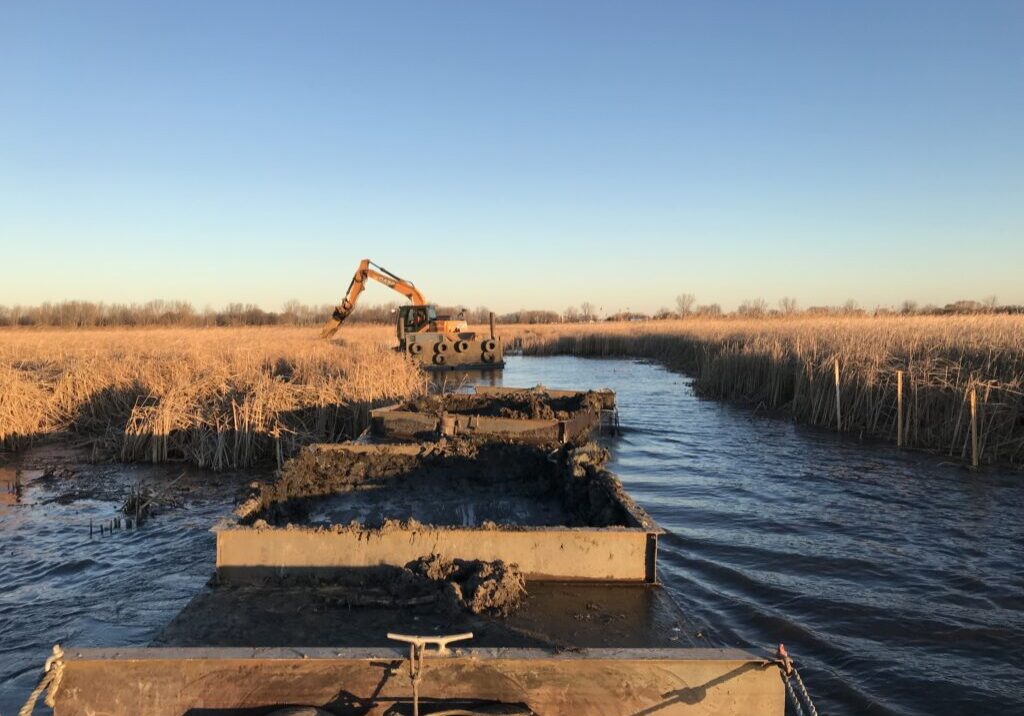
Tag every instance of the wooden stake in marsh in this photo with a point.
(839, 414)
(974, 426)
(899, 408)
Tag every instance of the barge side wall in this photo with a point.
(213, 682)
(567, 554)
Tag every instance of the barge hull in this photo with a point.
(236, 682)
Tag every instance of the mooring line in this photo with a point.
(53, 673)
(789, 674)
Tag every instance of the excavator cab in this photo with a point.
(416, 318)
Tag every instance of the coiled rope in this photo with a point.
(799, 697)
(53, 672)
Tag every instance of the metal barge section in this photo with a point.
(373, 682)
(572, 648)
(533, 415)
(558, 516)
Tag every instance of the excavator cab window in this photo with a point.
(417, 317)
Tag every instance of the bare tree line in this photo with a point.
(86, 314)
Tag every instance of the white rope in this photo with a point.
(53, 673)
(788, 669)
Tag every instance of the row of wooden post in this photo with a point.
(900, 438)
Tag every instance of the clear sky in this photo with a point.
(519, 154)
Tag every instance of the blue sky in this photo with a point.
(528, 154)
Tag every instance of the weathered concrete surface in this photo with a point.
(218, 682)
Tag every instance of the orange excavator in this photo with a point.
(439, 342)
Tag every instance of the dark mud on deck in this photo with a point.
(457, 483)
(526, 404)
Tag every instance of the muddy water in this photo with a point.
(899, 580)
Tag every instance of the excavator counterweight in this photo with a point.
(438, 342)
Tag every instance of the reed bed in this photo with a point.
(219, 398)
(789, 366)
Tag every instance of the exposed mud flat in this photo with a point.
(451, 483)
(535, 404)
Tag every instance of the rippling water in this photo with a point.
(58, 584)
(896, 579)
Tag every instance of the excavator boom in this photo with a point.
(368, 269)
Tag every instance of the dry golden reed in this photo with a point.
(788, 364)
(218, 397)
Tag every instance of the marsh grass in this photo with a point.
(219, 398)
(233, 397)
(787, 365)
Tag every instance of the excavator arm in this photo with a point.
(368, 269)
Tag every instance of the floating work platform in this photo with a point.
(534, 415)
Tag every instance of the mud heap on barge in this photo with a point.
(488, 570)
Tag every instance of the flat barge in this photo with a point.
(458, 576)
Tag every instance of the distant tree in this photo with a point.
(851, 306)
(991, 303)
(588, 311)
(685, 303)
(710, 309)
(664, 313)
(571, 315)
(964, 306)
(753, 308)
(787, 305)
(908, 307)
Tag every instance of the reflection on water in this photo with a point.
(898, 579)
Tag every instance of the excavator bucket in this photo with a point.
(331, 327)
(337, 318)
